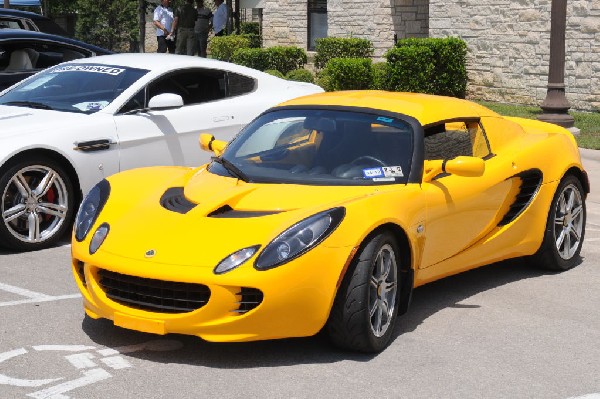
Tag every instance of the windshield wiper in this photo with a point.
(30, 104)
(231, 168)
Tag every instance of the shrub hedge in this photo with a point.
(346, 74)
(431, 65)
(223, 47)
(280, 58)
(336, 47)
(300, 75)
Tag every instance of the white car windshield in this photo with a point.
(317, 146)
(82, 88)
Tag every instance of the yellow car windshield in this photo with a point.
(317, 146)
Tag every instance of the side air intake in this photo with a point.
(531, 181)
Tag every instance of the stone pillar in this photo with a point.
(556, 105)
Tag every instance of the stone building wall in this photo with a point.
(285, 21)
(509, 42)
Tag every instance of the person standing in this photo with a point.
(184, 25)
(202, 27)
(220, 18)
(163, 20)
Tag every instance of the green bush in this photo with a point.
(431, 65)
(286, 59)
(256, 58)
(347, 74)
(300, 75)
(252, 28)
(275, 72)
(337, 47)
(283, 59)
(410, 69)
(255, 40)
(223, 47)
(381, 76)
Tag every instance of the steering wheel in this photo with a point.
(367, 158)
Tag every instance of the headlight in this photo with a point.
(299, 238)
(90, 209)
(235, 259)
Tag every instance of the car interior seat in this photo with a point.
(19, 60)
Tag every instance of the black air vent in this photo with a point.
(174, 200)
(250, 299)
(530, 184)
(228, 212)
(153, 295)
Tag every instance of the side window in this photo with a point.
(194, 86)
(452, 139)
(239, 84)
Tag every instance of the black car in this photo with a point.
(23, 53)
(17, 19)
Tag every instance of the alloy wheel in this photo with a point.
(568, 222)
(382, 290)
(35, 204)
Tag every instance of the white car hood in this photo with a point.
(22, 120)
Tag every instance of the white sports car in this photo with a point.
(70, 126)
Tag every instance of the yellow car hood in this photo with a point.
(227, 215)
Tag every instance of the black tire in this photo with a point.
(565, 228)
(353, 321)
(36, 204)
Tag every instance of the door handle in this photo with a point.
(222, 118)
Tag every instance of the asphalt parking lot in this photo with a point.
(501, 331)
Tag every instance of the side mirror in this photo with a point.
(460, 166)
(165, 101)
(209, 143)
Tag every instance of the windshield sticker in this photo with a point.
(90, 68)
(384, 179)
(91, 105)
(384, 119)
(392, 171)
(371, 173)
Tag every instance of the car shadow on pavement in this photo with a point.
(190, 350)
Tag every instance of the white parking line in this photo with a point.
(23, 292)
(32, 296)
(46, 299)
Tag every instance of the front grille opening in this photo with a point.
(153, 295)
(250, 298)
(80, 272)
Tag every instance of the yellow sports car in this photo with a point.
(325, 213)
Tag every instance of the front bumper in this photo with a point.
(296, 297)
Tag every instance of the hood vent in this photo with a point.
(174, 200)
(531, 181)
(228, 212)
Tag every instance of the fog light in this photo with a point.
(235, 259)
(98, 238)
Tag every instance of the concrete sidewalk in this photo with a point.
(591, 163)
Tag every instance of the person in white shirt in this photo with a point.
(220, 18)
(163, 20)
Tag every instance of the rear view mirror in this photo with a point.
(165, 101)
(459, 166)
(209, 143)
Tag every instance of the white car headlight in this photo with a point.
(299, 238)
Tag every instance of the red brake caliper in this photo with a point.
(50, 197)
